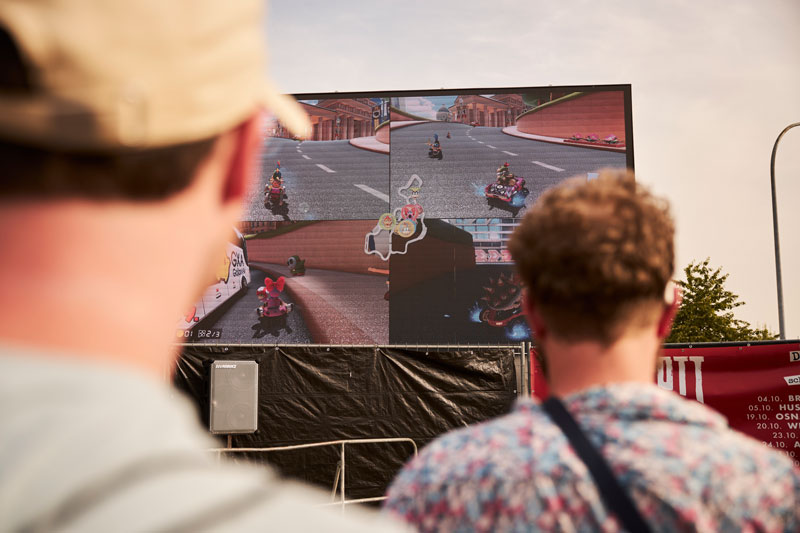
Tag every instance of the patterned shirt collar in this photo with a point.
(634, 401)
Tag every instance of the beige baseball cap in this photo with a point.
(116, 74)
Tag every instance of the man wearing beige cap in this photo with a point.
(128, 134)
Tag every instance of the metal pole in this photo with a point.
(343, 478)
(775, 230)
(526, 371)
(336, 481)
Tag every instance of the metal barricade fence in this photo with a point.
(521, 352)
(339, 479)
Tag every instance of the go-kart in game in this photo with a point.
(341, 171)
(493, 154)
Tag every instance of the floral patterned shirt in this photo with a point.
(682, 465)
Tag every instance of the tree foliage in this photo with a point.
(706, 312)
(536, 97)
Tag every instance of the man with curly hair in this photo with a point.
(610, 450)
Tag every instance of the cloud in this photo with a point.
(422, 107)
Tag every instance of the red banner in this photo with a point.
(756, 386)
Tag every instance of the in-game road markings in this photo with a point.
(509, 153)
(326, 169)
(481, 142)
(492, 147)
(373, 192)
(306, 157)
(545, 165)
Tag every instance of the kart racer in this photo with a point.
(435, 146)
(505, 177)
(275, 186)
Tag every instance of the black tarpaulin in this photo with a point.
(314, 394)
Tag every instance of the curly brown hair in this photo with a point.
(596, 256)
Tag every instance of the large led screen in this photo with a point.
(390, 223)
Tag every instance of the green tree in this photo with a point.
(536, 97)
(706, 312)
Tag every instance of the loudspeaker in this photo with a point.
(234, 397)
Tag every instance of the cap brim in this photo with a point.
(287, 111)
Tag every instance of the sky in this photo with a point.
(713, 84)
(426, 106)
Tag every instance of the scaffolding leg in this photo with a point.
(336, 480)
(343, 465)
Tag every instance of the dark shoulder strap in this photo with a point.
(612, 493)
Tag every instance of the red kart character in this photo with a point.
(274, 193)
(503, 302)
(411, 211)
(499, 190)
(269, 295)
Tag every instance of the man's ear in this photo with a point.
(534, 317)
(671, 306)
(248, 138)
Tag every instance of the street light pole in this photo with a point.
(775, 231)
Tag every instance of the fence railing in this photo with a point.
(339, 479)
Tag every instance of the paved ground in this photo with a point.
(239, 322)
(324, 180)
(453, 187)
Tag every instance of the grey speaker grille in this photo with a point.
(234, 397)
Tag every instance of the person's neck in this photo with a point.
(575, 366)
(76, 286)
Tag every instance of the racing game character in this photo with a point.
(504, 176)
(270, 297)
(435, 149)
(274, 191)
(501, 302)
(412, 210)
(296, 265)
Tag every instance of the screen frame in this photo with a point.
(624, 87)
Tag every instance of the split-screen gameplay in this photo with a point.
(389, 223)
